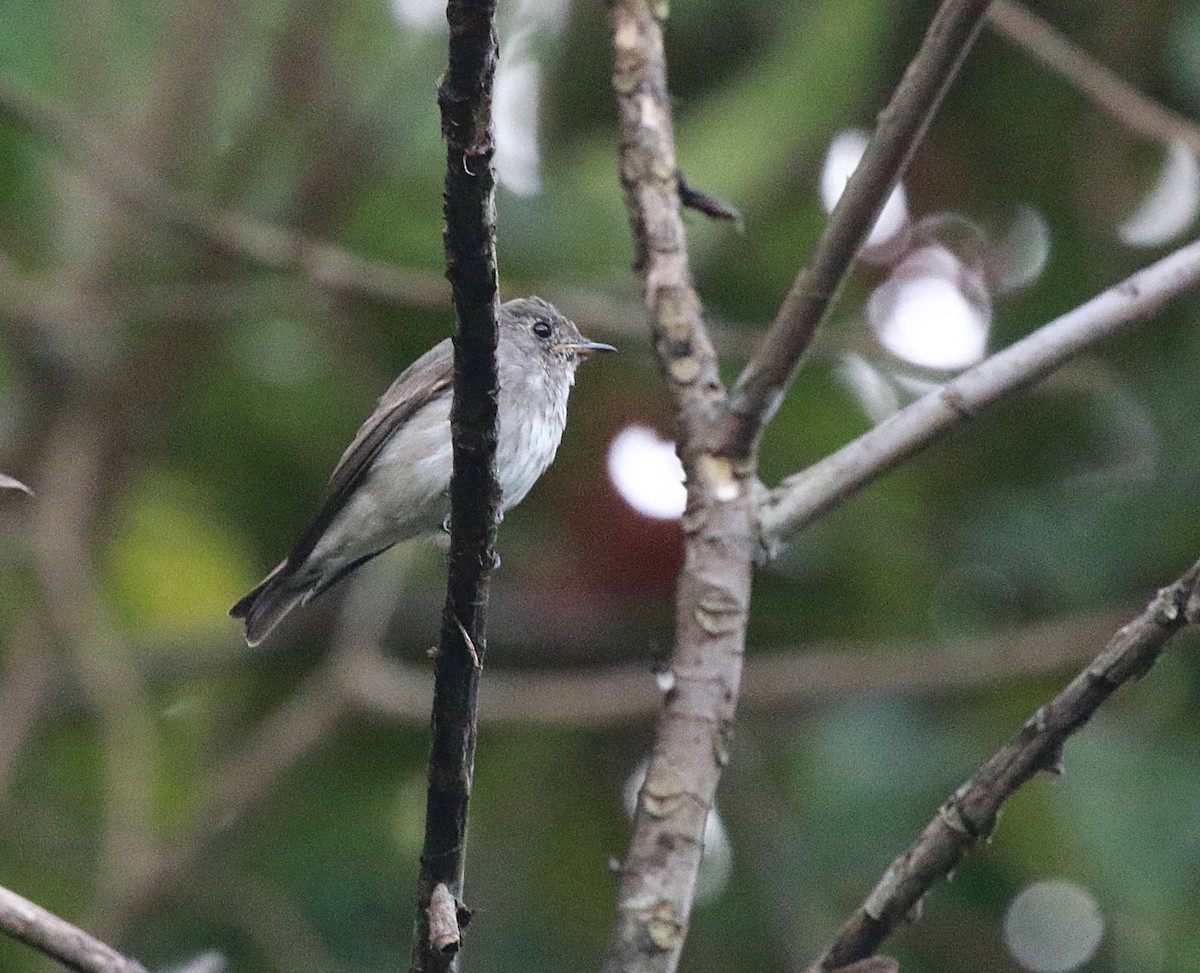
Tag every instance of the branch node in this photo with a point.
(1166, 606)
(444, 933)
(1191, 611)
(462, 630)
(954, 398)
(1053, 766)
(952, 816)
(720, 476)
(718, 612)
(664, 927)
(710, 206)
(663, 795)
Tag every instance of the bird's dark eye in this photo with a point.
(542, 329)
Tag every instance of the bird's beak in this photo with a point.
(585, 348)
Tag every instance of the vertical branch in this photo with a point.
(658, 875)
(465, 98)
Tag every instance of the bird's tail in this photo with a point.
(264, 606)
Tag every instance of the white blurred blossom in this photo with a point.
(646, 473)
(933, 311)
(841, 159)
(1053, 927)
(1171, 205)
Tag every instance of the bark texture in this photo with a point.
(658, 874)
(58, 939)
(716, 446)
(969, 815)
(465, 98)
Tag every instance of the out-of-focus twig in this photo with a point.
(58, 939)
(804, 496)
(305, 719)
(902, 124)
(269, 917)
(969, 814)
(25, 684)
(258, 241)
(782, 679)
(239, 234)
(1095, 81)
(61, 526)
(777, 679)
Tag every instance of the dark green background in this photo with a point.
(239, 385)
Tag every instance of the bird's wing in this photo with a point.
(418, 385)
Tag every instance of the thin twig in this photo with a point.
(1095, 81)
(25, 681)
(58, 939)
(801, 498)
(902, 124)
(465, 99)
(969, 815)
(715, 209)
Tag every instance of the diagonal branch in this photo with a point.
(58, 939)
(465, 99)
(804, 496)
(1097, 82)
(902, 124)
(969, 815)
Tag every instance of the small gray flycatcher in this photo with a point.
(392, 484)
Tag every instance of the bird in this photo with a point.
(392, 483)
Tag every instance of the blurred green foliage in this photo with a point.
(217, 393)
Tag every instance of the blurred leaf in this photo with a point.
(173, 567)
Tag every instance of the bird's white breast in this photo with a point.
(406, 492)
(533, 414)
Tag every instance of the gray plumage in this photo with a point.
(392, 482)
